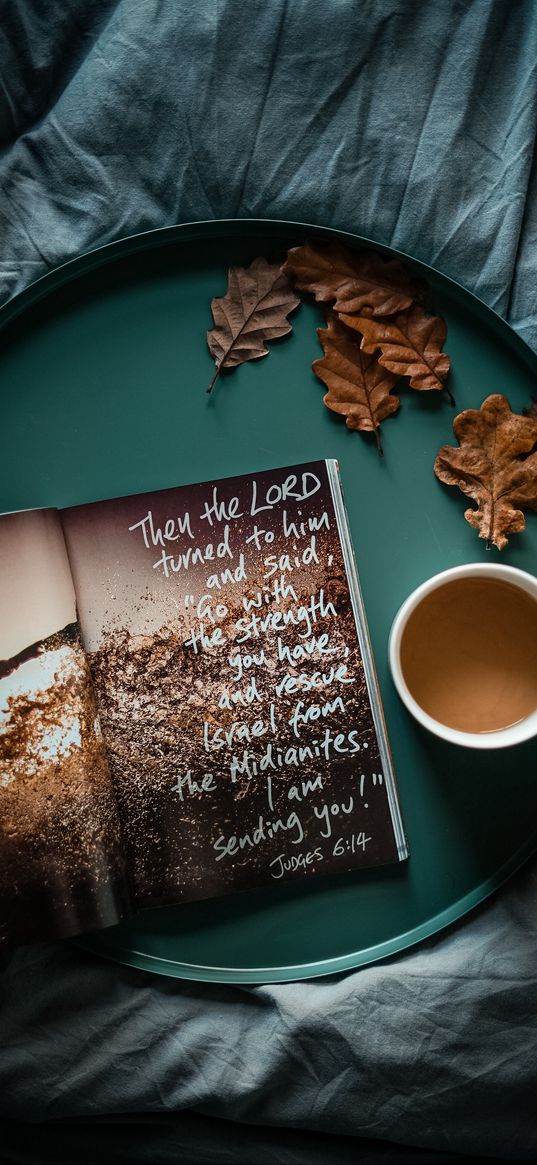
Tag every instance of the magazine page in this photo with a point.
(220, 632)
(61, 867)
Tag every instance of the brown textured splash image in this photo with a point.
(160, 708)
(231, 690)
(60, 864)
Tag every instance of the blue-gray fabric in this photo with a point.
(412, 123)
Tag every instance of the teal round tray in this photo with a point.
(103, 372)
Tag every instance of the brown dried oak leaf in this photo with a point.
(358, 281)
(253, 310)
(410, 345)
(496, 465)
(358, 387)
(531, 410)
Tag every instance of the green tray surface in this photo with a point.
(103, 371)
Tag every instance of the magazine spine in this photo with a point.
(367, 655)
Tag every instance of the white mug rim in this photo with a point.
(503, 737)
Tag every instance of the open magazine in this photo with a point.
(188, 702)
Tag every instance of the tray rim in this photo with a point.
(321, 968)
(87, 262)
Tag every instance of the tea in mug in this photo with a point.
(469, 654)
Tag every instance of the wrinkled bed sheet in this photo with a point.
(413, 124)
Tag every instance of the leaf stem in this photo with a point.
(380, 450)
(215, 377)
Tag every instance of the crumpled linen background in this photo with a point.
(413, 124)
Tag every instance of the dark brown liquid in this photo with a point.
(469, 654)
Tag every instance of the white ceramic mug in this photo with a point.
(515, 733)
